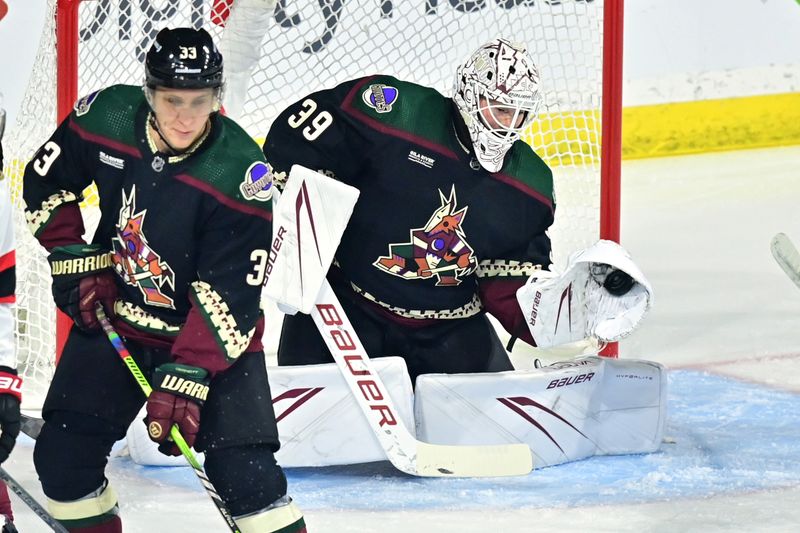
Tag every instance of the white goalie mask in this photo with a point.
(497, 93)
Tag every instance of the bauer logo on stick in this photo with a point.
(257, 184)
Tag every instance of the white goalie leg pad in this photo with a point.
(279, 516)
(564, 412)
(144, 451)
(319, 421)
(575, 305)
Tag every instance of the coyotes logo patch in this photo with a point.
(439, 249)
(257, 184)
(380, 97)
(136, 263)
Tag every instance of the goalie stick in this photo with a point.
(787, 256)
(123, 352)
(404, 451)
(31, 502)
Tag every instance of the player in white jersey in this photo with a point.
(10, 383)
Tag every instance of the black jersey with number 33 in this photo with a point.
(188, 234)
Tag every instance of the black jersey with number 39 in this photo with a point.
(433, 235)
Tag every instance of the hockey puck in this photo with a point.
(618, 283)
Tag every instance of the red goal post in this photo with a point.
(305, 45)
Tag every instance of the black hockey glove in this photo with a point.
(179, 392)
(10, 398)
(83, 275)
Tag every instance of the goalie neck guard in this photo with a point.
(498, 80)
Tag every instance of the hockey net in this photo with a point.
(275, 52)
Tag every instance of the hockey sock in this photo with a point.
(97, 512)
(283, 515)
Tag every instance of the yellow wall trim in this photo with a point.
(711, 125)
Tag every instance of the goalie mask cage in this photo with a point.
(277, 50)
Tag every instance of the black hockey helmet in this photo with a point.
(183, 58)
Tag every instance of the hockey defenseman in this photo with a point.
(452, 213)
(10, 382)
(177, 261)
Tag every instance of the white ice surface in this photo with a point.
(699, 226)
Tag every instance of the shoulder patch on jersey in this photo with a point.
(257, 184)
(83, 105)
(380, 97)
(108, 117)
(422, 116)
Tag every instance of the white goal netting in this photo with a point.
(277, 51)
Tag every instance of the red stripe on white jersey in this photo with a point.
(8, 260)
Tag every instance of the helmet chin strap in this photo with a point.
(154, 125)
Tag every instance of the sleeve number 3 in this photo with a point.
(318, 124)
(47, 155)
(259, 258)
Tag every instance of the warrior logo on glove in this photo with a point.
(439, 249)
(179, 392)
(134, 260)
(155, 430)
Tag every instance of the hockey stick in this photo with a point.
(404, 451)
(31, 502)
(787, 256)
(30, 425)
(123, 352)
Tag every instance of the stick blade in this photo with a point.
(787, 256)
(30, 425)
(436, 460)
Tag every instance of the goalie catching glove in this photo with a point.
(602, 294)
(179, 392)
(83, 275)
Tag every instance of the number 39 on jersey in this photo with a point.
(319, 121)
